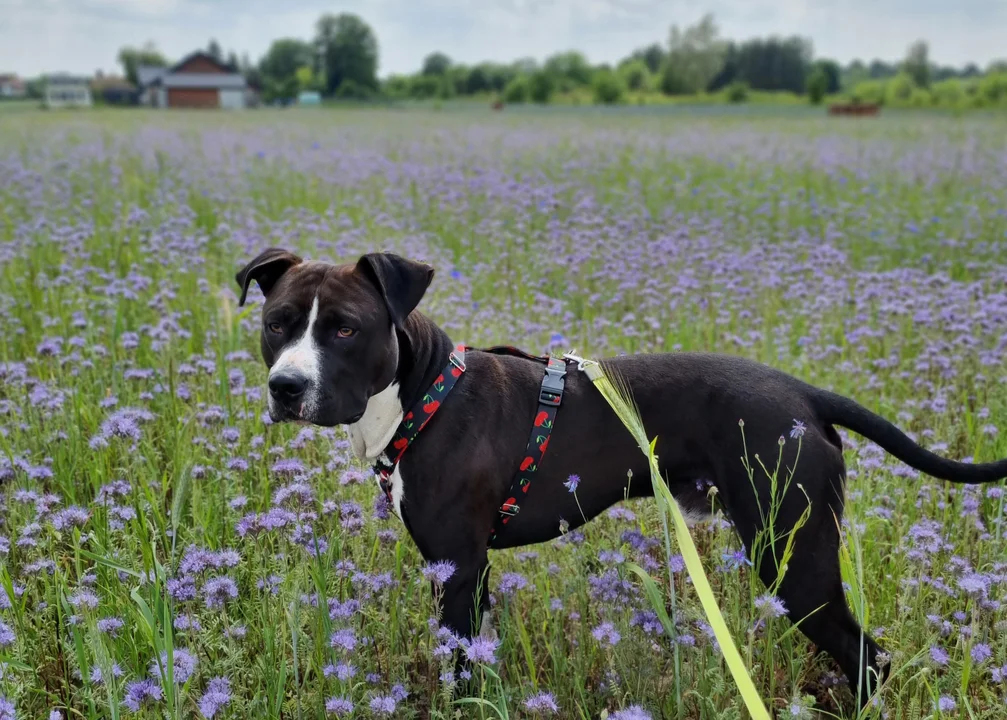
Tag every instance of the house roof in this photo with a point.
(146, 74)
(171, 78)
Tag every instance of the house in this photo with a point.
(12, 87)
(197, 81)
(64, 90)
(113, 89)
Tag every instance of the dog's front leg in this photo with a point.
(465, 598)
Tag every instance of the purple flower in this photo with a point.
(7, 709)
(110, 625)
(139, 692)
(183, 667)
(84, 599)
(606, 634)
(480, 650)
(939, 656)
(218, 590)
(946, 703)
(439, 572)
(7, 636)
(338, 706)
(981, 653)
(798, 430)
(383, 705)
(770, 606)
(216, 697)
(542, 703)
(510, 583)
(572, 482)
(345, 639)
(633, 712)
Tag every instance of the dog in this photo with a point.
(345, 345)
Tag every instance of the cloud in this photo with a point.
(84, 35)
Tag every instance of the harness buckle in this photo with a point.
(551, 392)
(457, 361)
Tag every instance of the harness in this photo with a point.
(550, 397)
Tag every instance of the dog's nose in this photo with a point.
(287, 388)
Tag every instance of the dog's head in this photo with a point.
(328, 331)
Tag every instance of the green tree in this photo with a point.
(608, 87)
(280, 65)
(737, 92)
(541, 86)
(697, 53)
(305, 78)
(917, 63)
(214, 50)
(832, 72)
(636, 75)
(516, 90)
(436, 64)
(477, 80)
(671, 80)
(349, 53)
(899, 89)
(130, 58)
(570, 68)
(652, 55)
(818, 83)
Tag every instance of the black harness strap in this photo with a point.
(549, 398)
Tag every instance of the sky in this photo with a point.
(82, 36)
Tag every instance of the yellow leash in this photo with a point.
(618, 398)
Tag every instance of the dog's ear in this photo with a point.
(402, 282)
(266, 269)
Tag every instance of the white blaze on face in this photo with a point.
(303, 358)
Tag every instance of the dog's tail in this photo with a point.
(838, 410)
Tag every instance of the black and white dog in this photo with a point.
(345, 346)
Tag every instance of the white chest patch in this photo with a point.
(370, 435)
(303, 358)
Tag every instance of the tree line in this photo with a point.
(341, 60)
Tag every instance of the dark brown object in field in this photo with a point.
(856, 109)
(498, 105)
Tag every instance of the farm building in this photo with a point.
(64, 90)
(11, 86)
(197, 81)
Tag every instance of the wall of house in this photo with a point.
(193, 97)
(200, 65)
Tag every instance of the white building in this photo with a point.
(67, 91)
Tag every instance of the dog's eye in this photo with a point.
(345, 332)
(274, 328)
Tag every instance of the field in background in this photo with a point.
(149, 511)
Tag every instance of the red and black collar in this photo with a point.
(549, 399)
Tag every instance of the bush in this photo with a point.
(817, 86)
(516, 90)
(948, 93)
(351, 90)
(671, 80)
(424, 87)
(899, 90)
(871, 92)
(541, 86)
(636, 75)
(737, 92)
(608, 88)
(993, 88)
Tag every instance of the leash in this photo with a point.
(617, 396)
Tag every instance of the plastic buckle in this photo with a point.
(551, 392)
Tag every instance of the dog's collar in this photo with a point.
(417, 418)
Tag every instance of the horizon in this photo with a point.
(84, 36)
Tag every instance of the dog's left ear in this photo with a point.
(402, 282)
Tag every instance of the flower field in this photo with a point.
(167, 552)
